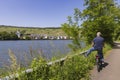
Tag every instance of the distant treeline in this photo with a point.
(49, 31)
(8, 36)
(31, 27)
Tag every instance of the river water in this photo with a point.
(25, 49)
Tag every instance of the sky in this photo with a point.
(37, 13)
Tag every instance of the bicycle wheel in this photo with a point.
(98, 65)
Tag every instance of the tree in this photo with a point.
(99, 16)
(4, 35)
(117, 27)
(8, 36)
(72, 29)
(13, 36)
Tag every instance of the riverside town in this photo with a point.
(40, 37)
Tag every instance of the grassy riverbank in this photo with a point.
(73, 68)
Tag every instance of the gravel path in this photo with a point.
(111, 71)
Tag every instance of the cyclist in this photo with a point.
(97, 45)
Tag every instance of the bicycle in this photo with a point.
(98, 63)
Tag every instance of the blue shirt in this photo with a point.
(98, 42)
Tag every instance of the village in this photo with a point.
(40, 37)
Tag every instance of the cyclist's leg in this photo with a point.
(89, 51)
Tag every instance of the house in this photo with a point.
(18, 33)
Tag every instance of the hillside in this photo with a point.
(50, 31)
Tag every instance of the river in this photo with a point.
(25, 49)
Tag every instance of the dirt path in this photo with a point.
(111, 71)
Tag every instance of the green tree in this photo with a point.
(72, 29)
(8, 36)
(13, 36)
(117, 27)
(4, 35)
(99, 16)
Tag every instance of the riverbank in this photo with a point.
(78, 65)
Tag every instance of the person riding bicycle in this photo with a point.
(97, 45)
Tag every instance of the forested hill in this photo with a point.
(52, 31)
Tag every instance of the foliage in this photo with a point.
(117, 27)
(61, 71)
(34, 30)
(99, 16)
(73, 68)
(72, 29)
(8, 36)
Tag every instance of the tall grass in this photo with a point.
(73, 68)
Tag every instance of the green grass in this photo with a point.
(32, 30)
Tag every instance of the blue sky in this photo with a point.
(37, 13)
